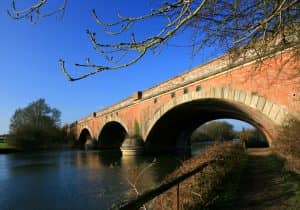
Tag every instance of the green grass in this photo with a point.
(5, 146)
(265, 184)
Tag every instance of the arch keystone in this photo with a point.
(226, 92)
(230, 95)
(254, 101)
(267, 108)
(236, 95)
(248, 98)
(219, 92)
(261, 103)
(242, 97)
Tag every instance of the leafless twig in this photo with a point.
(133, 183)
(33, 12)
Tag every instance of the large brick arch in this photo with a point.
(251, 101)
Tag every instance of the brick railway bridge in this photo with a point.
(264, 93)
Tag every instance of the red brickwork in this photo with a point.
(269, 89)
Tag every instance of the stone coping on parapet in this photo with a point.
(210, 68)
(158, 89)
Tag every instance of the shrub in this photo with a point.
(288, 144)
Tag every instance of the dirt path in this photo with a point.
(266, 185)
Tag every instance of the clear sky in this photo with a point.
(29, 57)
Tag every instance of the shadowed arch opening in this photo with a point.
(85, 136)
(172, 131)
(112, 136)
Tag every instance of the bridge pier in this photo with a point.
(133, 145)
(90, 144)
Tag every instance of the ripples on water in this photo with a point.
(76, 179)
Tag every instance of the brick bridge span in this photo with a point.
(264, 93)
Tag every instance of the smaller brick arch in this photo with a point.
(112, 134)
(85, 136)
(108, 120)
(85, 127)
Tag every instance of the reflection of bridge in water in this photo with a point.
(113, 166)
(163, 117)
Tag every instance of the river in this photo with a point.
(77, 179)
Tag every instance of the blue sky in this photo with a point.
(29, 57)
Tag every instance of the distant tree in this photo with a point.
(35, 126)
(200, 136)
(214, 131)
(37, 114)
(228, 24)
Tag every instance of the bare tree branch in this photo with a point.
(133, 184)
(229, 24)
(34, 11)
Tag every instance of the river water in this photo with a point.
(77, 179)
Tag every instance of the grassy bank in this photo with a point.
(6, 148)
(266, 184)
(214, 187)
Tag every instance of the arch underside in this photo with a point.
(112, 136)
(173, 129)
(84, 137)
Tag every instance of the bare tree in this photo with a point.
(233, 24)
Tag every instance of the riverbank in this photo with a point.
(214, 186)
(6, 148)
(238, 179)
